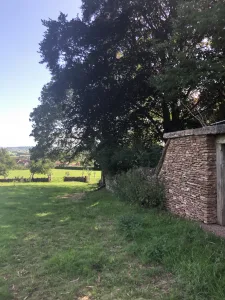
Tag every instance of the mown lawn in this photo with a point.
(57, 243)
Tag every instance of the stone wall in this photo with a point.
(85, 179)
(189, 172)
(193, 169)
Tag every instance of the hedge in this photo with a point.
(77, 168)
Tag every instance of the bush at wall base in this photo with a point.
(136, 186)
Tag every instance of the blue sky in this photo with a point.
(21, 75)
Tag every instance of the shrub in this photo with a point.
(42, 166)
(136, 186)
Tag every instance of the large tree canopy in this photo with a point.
(130, 70)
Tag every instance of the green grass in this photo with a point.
(57, 175)
(54, 244)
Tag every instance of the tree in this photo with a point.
(197, 64)
(108, 97)
(42, 166)
(6, 162)
(127, 69)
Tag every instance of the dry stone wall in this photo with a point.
(189, 168)
(189, 173)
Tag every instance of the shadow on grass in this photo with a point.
(33, 208)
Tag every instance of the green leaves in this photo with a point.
(6, 162)
(142, 67)
(42, 166)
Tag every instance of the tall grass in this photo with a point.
(196, 258)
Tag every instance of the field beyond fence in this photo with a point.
(58, 174)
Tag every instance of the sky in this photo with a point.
(21, 75)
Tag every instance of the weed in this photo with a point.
(130, 225)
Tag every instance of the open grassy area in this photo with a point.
(58, 246)
(57, 175)
(58, 243)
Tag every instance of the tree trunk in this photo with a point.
(103, 178)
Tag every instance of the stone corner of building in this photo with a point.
(207, 130)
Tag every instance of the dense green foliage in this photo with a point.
(114, 160)
(7, 163)
(42, 166)
(126, 71)
(138, 186)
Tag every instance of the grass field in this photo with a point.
(63, 241)
(57, 175)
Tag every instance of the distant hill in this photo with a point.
(19, 152)
(19, 149)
